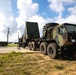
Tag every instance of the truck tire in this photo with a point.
(23, 45)
(33, 46)
(52, 51)
(43, 48)
(29, 45)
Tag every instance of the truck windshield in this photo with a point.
(71, 28)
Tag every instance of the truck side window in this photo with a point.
(62, 30)
(57, 31)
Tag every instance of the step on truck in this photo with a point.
(57, 40)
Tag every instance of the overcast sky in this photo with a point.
(14, 14)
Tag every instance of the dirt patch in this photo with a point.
(10, 49)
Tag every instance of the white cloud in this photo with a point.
(2, 18)
(2, 22)
(3, 35)
(5, 7)
(26, 10)
(6, 20)
(70, 18)
(11, 18)
(72, 10)
(14, 37)
(67, 1)
(4, 15)
(60, 1)
(58, 5)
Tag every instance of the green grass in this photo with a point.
(33, 64)
(12, 45)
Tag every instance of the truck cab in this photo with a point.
(65, 34)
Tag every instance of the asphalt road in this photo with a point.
(10, 49)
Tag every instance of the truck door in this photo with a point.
(61, 35)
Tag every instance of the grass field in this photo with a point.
(34, 64)
(12, 45)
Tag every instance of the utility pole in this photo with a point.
(18, 36)
(7, 35)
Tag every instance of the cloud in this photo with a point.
(5, 10)
(58, 5)
(7, 20)
(72, 10)
(2, 21)
(5, 7)
(68, 19)
(26, 10)
(71, 18)
(67, 1)
(14, 37)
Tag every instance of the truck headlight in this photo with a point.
(73, 40)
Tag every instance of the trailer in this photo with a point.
(57, 40)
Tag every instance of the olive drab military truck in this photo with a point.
(31, 32)
(57, 40)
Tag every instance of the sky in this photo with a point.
(14, 14)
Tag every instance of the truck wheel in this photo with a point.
(23, 45)
(33, 46)
(52, 51)
(29, 45)
(43, 48)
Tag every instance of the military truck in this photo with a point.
(57, 40)
(31, 33)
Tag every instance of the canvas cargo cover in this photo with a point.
(32, 30)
